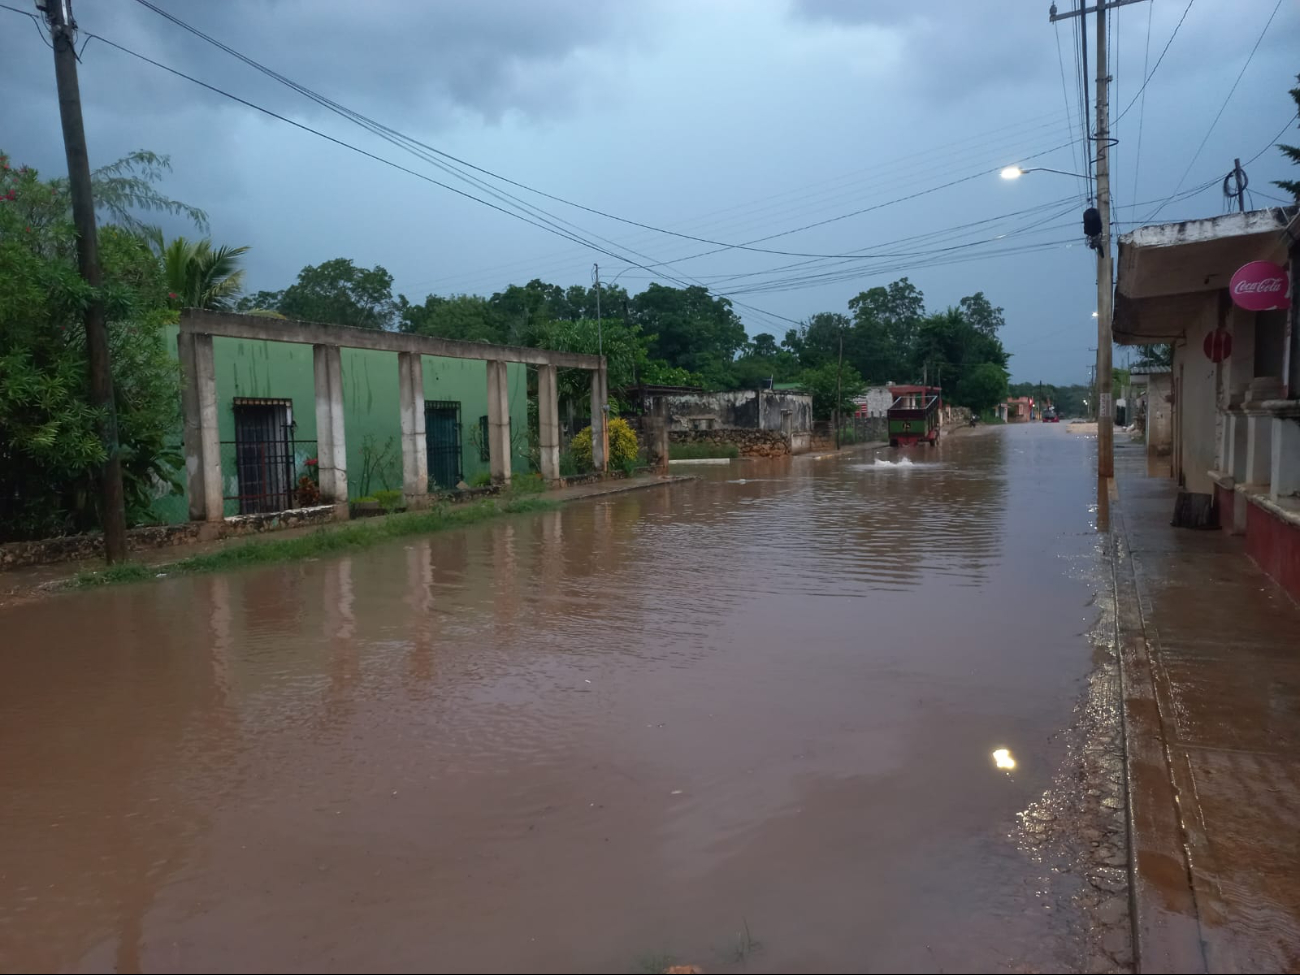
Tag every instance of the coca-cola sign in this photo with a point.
(1260, 286)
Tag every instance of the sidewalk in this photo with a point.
(1210, 650)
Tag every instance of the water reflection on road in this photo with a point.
(580, 740)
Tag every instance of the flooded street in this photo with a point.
(746, 723)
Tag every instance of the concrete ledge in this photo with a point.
(1166, 925)
(1288, 509)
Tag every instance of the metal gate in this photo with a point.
(442, 439)
(264, 455)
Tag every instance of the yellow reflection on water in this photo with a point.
(1002, 758)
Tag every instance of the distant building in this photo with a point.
(1019, 409)
(875, 402)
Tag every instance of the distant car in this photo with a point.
(1049, 416)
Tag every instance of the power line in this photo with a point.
(1272, 143)
(1065, 92)
(386, 131)
(1147, 80)
(1218, 115)
(1142, 112)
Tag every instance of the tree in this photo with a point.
(522, 310)
(886, 323)
(948, 345)
(338, 292)
(983, 387)
(50, 450)
(129, 184)
(821, 383)
(817, 340)
(980, 312)
(1292, 186)
(469, 318)
(199, 275)
(762, 346)
(689, 328)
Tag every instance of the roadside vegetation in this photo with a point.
(702, 451)
(50, 451)
(325, 541)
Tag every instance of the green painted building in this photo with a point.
(267, 419)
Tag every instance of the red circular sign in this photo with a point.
(1218, 345)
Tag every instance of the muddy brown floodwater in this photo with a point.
(748, 723)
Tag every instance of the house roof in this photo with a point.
(1170, 273)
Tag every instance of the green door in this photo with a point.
(442, 438)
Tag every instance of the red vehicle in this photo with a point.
(1050, 416)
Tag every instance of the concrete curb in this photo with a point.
(1162, 901)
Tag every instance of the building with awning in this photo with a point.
(1219, 291)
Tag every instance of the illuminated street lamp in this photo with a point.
(1015, 172)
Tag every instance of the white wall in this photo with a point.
(877, 400)
(1197, 399)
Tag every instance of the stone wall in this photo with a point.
(741, 409)
(752, 443)
(73, 548)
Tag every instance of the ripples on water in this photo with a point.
(563, 740)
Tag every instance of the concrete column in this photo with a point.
(331, 446)
(498, 422)
(199, 431)
(1235, 435)
(1259, 449)
(1285, 480)
(548, 417)
(415, 449)
(599, 427)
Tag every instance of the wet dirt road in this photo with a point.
(746, 723)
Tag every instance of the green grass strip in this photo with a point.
(702, 451)
(324, 541)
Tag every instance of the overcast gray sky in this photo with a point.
(731, 121)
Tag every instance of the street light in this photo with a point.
(1096, 227)
(1015, 172)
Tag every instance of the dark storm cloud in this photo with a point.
(950, 48)
(424, 60)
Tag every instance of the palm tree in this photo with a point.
(202, 276)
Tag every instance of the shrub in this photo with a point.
(389, 500)
(50, 448)
(623, 447)
(702, 451)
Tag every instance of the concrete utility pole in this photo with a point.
(58, 14)
(600, 341)
(1105, 292)
(1240, 176)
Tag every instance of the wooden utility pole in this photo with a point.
(58, 14)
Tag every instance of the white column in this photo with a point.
(415, 449)
(548, 417)
(498, 422)
(1285, 479)
(1259, 449)
(599, 428)
(199, 427)
(331, 446)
